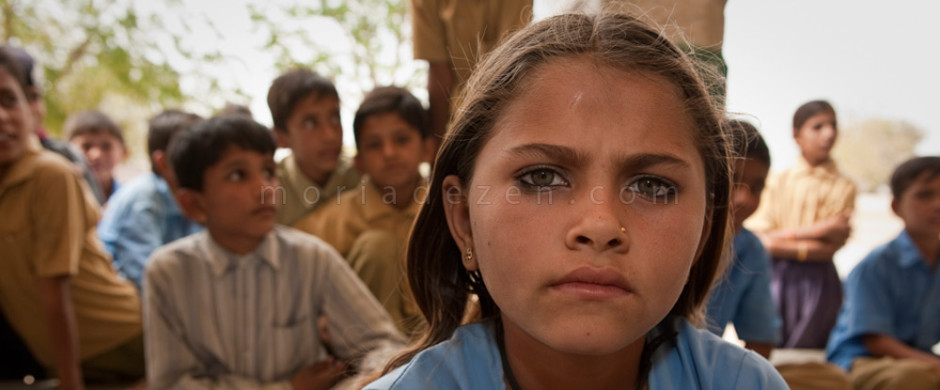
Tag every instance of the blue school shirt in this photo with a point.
(893, 292)
(698, 360)
(742, 295)
(140, 218)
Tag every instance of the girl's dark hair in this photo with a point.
(91, 122)
(807, 110)
(441, 285)
(193, 152)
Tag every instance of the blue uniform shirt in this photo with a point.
(698, 360)
(892, 292)
(140, 218)
(742, 295)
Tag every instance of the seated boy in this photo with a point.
(369, 225)
(742, 295)
(57, 288)
(144, 214)
(891, 315)
(238, 305)
(305, 110)
(100, 139)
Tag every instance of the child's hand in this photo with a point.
(317, 376)
(836, 230)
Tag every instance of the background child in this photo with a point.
(305, 110)
(802, 221)
(144, 215)
(742, 295)
(100, 139)
(57, 288)
(237, 306)
(560, 195)
(891, 315)
(369, 225)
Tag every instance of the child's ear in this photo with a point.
(159, 161)
(192, 204)
(457, 210)
(280, 136)
(894, 206)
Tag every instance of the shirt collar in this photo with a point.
(374, 206)
(221, 260)
(907, 252)
(826, 168)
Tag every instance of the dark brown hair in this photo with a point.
(163, 127)
(91, 122)
(396, 100)
(911, 170)
(807, 110)
(441, 285)
(290, 88)
(747, 142)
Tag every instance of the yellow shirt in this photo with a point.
(359, 209)
(802, 195)
(459, 32)
(301, 196)
(48, 230)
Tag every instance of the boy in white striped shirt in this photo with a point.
(237, 306)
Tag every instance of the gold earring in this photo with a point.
(469, 257)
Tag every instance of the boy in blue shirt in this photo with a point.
(891, 315)
(742, 296)
(239, 305)
(143, 215)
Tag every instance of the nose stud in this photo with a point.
(623, 229)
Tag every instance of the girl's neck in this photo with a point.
(553, 369)
(815, 162)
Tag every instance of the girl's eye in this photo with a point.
(541, 179)
(236, 175)
(8, 101)
(309, 123)
(654, 188)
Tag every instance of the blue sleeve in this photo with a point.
(756, 374)
(134, 238)
(757, 319)
(868, 305)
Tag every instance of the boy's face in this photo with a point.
(817, 136)
(103, 152)
(390, 151)
(749, 178)
(15, 121)
(919, 206)
(314, 134)
(237, 201)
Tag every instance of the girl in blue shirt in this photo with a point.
(580, 199)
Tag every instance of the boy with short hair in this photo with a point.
(57, 288)
(237, 306)
(742, 296)
(144, 215)
(305, 109)
(370, 226)
(100, 139)
(891, 315)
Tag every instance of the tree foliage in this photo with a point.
(868, 151)
(94, 53)
(374, 46)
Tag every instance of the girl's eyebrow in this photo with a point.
(562, 154)
(642, 161)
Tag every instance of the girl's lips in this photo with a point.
(593, 283)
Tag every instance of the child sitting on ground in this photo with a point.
(238, 305)
(891, 316)
(369, 225)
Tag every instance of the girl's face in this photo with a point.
(817, 136)
(587, 208)
(15, 121)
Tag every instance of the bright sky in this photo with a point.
(869, 59)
